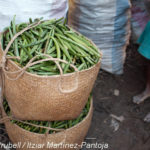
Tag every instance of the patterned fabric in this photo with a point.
(139, 18)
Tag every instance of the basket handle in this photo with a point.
(72, 89)
(21, 71)
(56, 60)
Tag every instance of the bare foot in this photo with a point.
(141, 97)
(147, 118)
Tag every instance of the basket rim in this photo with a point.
(53, 76)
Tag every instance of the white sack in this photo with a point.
(107, 23)
(25, 9)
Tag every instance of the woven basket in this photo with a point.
(74, 135)
(34, 97)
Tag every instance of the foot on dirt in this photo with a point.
(141, 97)
(147, 118)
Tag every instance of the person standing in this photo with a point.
(144, 50)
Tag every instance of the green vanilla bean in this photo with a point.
(51, 37)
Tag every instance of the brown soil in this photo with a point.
(133, 133)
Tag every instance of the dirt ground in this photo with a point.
(133, 133)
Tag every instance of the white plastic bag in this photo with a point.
(25, 9)
(107, 23)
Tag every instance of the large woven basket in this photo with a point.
(34, 97)
(74, 135)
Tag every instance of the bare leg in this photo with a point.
(144, 95)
